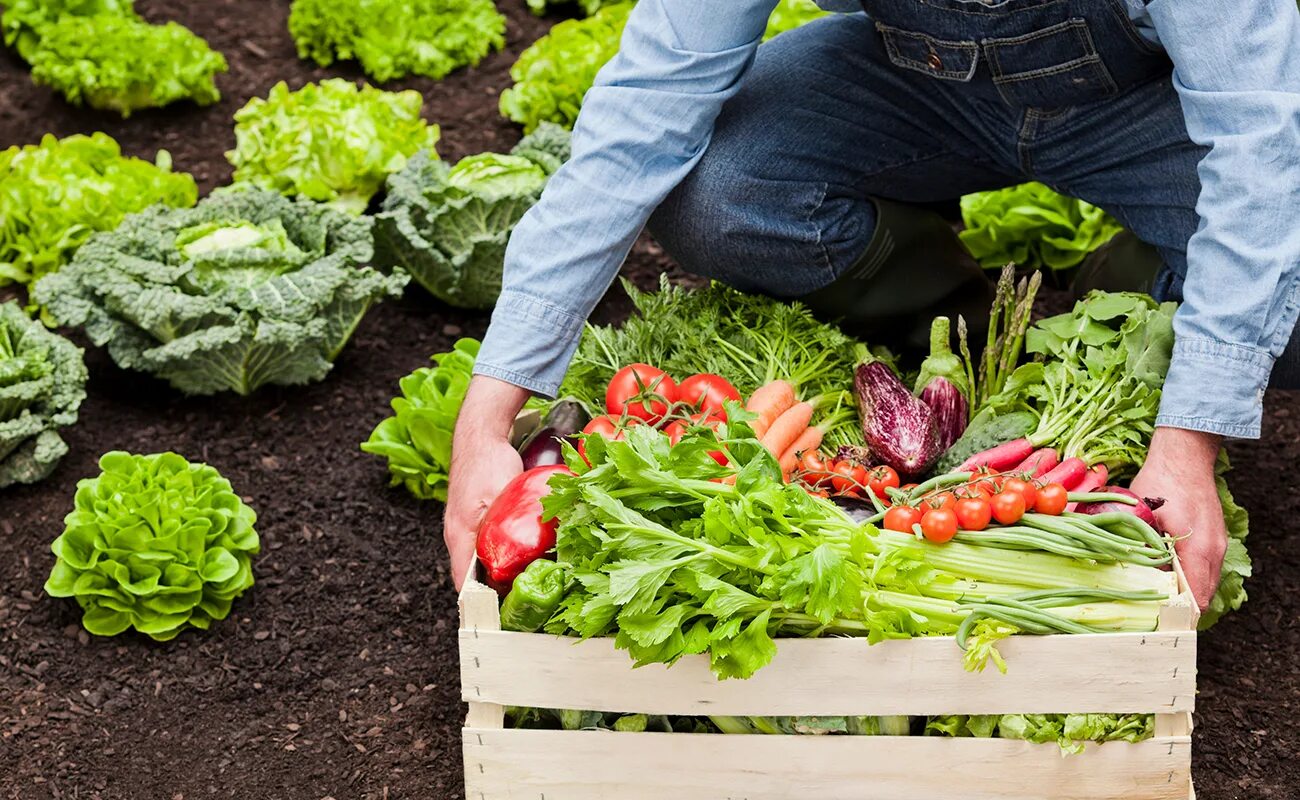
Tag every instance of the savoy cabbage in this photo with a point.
(449, 226)
(42, 385)
(246, 288)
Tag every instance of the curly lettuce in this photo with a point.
(42, 385)
(587, 7)
(553, 74)
(416, 440)
(1032, 226)
(1236, 560)
(247, 288)
(56, 194)
(449, 226)
(333, 142)
(23, 20)
(124, 64)
(790, 14)
(154, 543)
(395, 38)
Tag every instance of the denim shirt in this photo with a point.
(650, 115)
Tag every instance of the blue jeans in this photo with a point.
(850, 108)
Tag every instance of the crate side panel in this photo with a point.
(560, 765)
(1116, 673)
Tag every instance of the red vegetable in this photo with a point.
(902, 518)
(1039, 463)
(707, 393)
(642, 391)
(513, 534)
(1069, 473)
(1008, 507)
(939, 525)
(1093, 480)
(1052, 499)
(1003, 457)
(1023, 488)
(973, 513)
(1144, 509)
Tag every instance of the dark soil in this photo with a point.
(336, 676)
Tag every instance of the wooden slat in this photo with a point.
(558, 765)
(479, 611)
(1113, 673)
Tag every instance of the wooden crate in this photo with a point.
(1105, 673)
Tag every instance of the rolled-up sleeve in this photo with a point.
(1237, 72)
(643, 125)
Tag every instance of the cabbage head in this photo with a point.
(42, 385)
(245, 289)
(154, 543)
(449, 226)
(1032, 226)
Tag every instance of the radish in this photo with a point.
(1039, 463)
(1144, 510)
(1069, 473)
(1093, 480)
(1001, 458)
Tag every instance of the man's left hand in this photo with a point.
(1180, 468)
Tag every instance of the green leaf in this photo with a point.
(1032, 226)
(790, 14)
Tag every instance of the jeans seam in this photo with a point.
(820, 245)
(1130, 30)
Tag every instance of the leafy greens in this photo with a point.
(42, 385)
(333, 142)
(245, 289)
(154, 543)
(449, 226)
(395, 38)
(1068, 731)
(790, 14)
(56, 194)
(1032, 226)
(24, 20)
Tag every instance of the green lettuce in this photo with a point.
(245, 289)
(124, 64)
(42, 385)
(1068, 731)
(1236, 560)
(1032, 226)
(416, 440)
(587, 7)
(449, 227)
(395, 38)
(333, 142)
(56, 194)
(790, 14)
(23, 20)
(554, 73)
(154, 543)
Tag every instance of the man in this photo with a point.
(799, 169)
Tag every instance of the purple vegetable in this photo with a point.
(1144, 509)
(854, 454)
(950, 410)
(899, 428)
(543, 447)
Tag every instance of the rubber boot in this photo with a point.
(1124, 264)
(914, 269)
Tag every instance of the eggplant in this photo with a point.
(1144, 510)
(951, 411)
(543, 448)
(899, 428)
(944, 386)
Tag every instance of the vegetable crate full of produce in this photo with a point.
(1126, 673)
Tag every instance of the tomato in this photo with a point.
(707, 393)
(907, 487)
(674, 431)
(859, 478)
(939, 525)
(1008, 507)
(641, 391)
(1051, 499)
(608, 427)
(813, 467)
(880, 479)
(941, 500)
(1023, 488)
(973, 513)
(842, 477)
(902, 518)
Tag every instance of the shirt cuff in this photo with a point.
(529, 342)
(1216, 388)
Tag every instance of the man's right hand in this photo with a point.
(482, 463)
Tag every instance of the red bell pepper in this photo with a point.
(512, 534)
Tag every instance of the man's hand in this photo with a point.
(482, 463)
(1180, 468)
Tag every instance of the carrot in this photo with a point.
(810, 439)
(769, 402)
(787, 428)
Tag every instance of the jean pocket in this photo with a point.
(1053, 67)
(938, 58)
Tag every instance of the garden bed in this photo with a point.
(337, 674)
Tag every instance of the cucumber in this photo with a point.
(985, 431)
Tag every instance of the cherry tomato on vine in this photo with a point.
(1008, 507)
(880, 479)
(674, 431)
(1023, 488)
(1052, 499)
(860, 477)
(842, 477)
(939, 525)
(813, 467)
(608, 427)
(707, 393)
(902, 518)
(641, 391)
(941, 500)
(973, 513)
